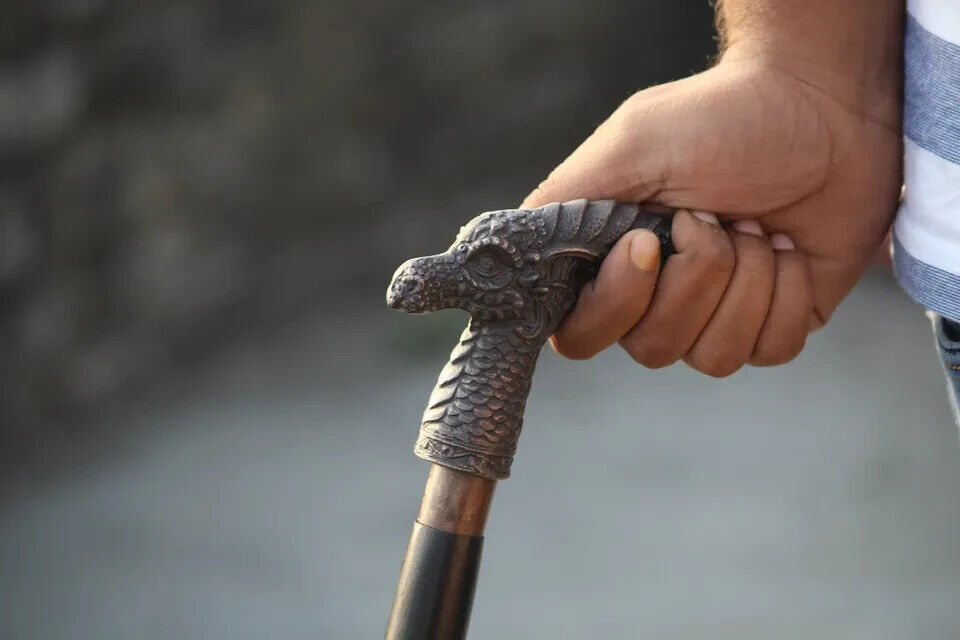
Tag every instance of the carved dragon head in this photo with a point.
(516, 267)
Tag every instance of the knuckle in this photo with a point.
(754, 260)
(653, 354)
(571, 349)
(714, 363)
(542, 193)
(632, 108)
(574, 353)
(755, 270)
(715, 255)
(777, 352)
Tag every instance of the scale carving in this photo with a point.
(517, 272)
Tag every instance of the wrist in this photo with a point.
(852, 51)
(870, 87)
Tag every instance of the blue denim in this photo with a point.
(948, 343)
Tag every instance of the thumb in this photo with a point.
(625, 159)
(611, 304)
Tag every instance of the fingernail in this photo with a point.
(704, 216)
(749, 227)
(645, 251)
(782, 242)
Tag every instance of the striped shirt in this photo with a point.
(927, 227)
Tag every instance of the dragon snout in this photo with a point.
(403, 291)
(418, 285)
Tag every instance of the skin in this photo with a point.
(793, 139)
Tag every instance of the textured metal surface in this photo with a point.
(517, 272)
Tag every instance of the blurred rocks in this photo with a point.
(175, 173)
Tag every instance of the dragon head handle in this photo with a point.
(517, 272)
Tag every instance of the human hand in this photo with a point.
(805, 169)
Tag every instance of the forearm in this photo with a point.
(851, 49)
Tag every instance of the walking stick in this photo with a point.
(517, 273)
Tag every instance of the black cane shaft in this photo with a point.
(436, 586)
(439, 572)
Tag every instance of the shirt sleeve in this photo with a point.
(927, 227)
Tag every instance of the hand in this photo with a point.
(808, 174)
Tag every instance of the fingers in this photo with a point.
(691, 285)
(727, 342)
(785, 330)
(615, 300)
(726, 298)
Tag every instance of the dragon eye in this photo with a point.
(486, 267)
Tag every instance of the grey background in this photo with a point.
(269, 494)
(207, 414)
(177, 175)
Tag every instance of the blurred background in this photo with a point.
(207, 412)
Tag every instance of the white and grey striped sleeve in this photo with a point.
(927, 228)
